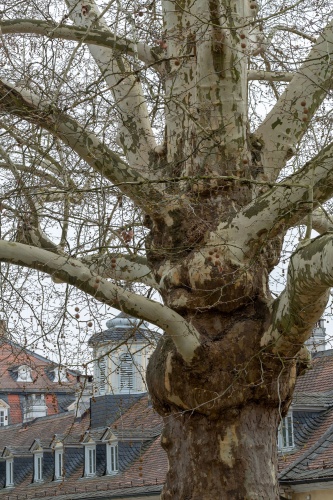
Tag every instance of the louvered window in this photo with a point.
(126, 373)
(102, 365)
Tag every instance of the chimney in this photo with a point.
(3, 328)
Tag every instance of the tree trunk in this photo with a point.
(222, 410)
(233, 458)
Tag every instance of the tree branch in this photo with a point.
(283, 206)
(74, 272)
(135, 134)
(80, 34)
(301, 304)
(287, 122)
(270, 76)
(122, 267)
(32, 108)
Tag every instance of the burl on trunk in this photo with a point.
(222, 411)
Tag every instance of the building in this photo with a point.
(306, 433)
(31, 385)
(112, 449)
(121, 354)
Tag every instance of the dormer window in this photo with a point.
(37, 451)
(89, 456)
(4, 410)
(38, 467)
(59, 463)
(8, 456)
(286, 433)
(90, 460)
(9, 472)
(60, 375)
(24, 374)
(112, 458)
(111, 452)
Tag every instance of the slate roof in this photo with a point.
(312, 458)
(142, 462)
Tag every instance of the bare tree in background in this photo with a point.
(167, 148)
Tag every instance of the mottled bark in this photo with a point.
(224, 372)
(230, 458)
(221, 413)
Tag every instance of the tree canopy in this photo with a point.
(154, 156)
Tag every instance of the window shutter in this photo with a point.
(102, 375)
(126, 373)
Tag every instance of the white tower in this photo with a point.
(317, 341)
(121, 355)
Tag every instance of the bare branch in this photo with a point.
(270, 76)
(287, 122)
(135, 134)
(74, 272)
(133, 268)
(283, 206)
(301, 304)
(80, 34)
(36, 110)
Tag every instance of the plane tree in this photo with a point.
(209, 123)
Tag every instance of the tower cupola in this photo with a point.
(121, 354)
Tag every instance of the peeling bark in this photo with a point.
(224, 372)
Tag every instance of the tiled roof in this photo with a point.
(319, 378)
(312, 458)
(120, 334)
(315, 458)
(12, 355)
(106, 409)
(124, 327)
(142, 462)
(320, 400)
(42, 428)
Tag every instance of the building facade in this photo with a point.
(32, 386)
(121, 354)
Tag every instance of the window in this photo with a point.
(60, 375)
(34, 406)
(58, 464)
(90, 460)
(112, 458)
(9, 472)
(3, 418)
(126, 373)
(101, 377)
(4, 409)
(24, 374)
(38, 467)
(286, 433)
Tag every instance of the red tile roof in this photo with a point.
(320, 377)
(12, 355)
